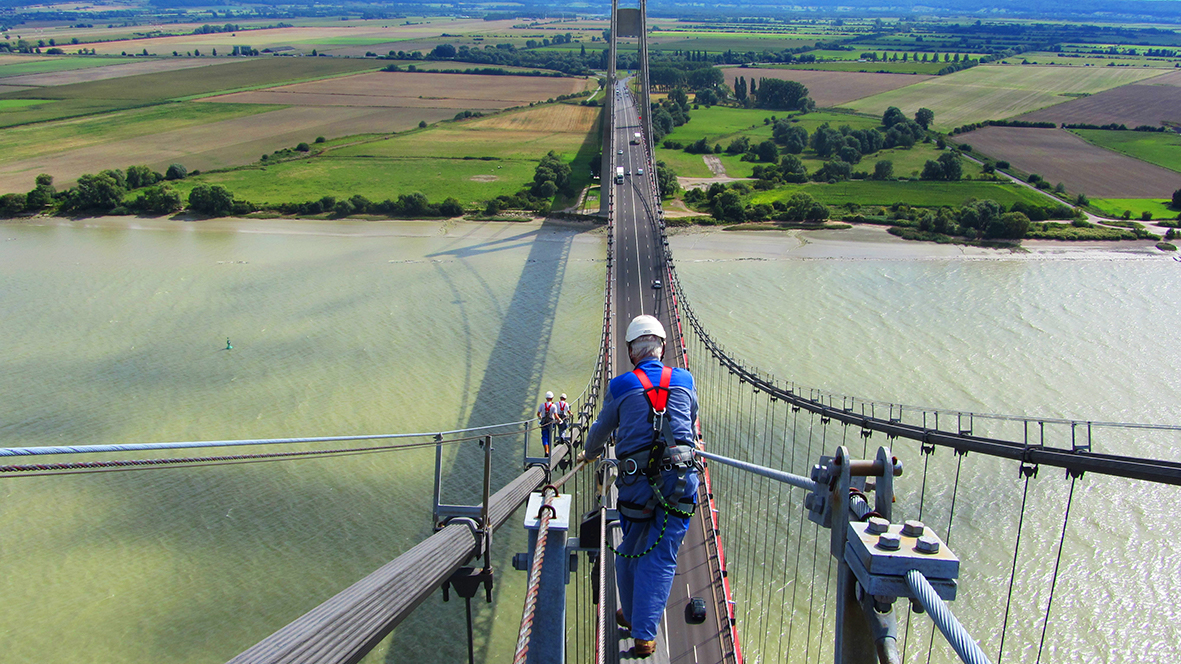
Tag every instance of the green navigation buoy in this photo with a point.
(228, 346)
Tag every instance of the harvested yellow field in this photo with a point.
(302, 38)
(556, 118)
(415, 90)
(525, 134)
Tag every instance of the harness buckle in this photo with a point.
(658, 420)
(630, 467)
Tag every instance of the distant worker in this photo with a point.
(652, 411)
(547, 415)
(564, 414)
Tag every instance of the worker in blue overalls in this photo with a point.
(653, 411)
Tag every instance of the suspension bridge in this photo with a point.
(830, 528)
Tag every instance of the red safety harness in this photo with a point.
(657, 396)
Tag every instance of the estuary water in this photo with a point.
(1058, 332)
(115, 331)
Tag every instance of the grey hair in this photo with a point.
(642, 348)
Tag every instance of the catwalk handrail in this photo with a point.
(1074, 460)
(140, 447)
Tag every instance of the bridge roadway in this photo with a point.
(639, 261)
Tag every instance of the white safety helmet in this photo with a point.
(642, 326)
(549, 395)
(563, 395)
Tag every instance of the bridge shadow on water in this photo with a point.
(509, 390)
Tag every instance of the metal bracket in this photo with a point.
(466, 581)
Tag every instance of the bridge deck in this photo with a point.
(639, 260)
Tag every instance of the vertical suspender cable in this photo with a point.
(922, 503)
(769, 523)
(1013, 573)
(1054, 580)
(955, 491)
(799, 546)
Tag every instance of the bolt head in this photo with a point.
(927, 544)
(913, 528)
(877, 525)
(889, 541)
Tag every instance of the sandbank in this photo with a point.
(701, 243)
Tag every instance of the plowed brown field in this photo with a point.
(1060, 156)
(830, 88)
(415, 90)
(1148, 103)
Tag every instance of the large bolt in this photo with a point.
(913, 528)
(877, 525)
(889, 541)
(927, 544)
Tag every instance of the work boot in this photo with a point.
(644, 648)
(621, 621)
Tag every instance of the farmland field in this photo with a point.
(1089, 59)
(470, 181)
(232, 142)
(915, 193)
(147, 89)
(1060, 156)
(526, 134)
(829, 88)
(114, 69)
(21, 66)
(1115, 207)
(415, 90)
(1139, 104)
(306, 37)
(1162, 149)
(997, 92)
(921, 68)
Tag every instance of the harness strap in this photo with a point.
(657, 396)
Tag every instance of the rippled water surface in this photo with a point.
(1084, 335)
(116, 332)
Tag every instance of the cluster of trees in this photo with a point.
(977, 219)
(567, 62)
(773, 93)
(410, 206)
(1115, 127)
(947, 167)
(972, 126)
(726, 205)
(211, 29)
(558, 39)
(669, 113)
(668, 75)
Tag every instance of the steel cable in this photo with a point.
(1054, 579)
(1013, 572)
(959, 638)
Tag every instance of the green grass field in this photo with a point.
(10, 104)
(57, 64)
(1115, 207)
(1094, 60)
(996, 92)
(1162, 149)
(18, 143)
(915, 193)
(148, 89)
(374, 178)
